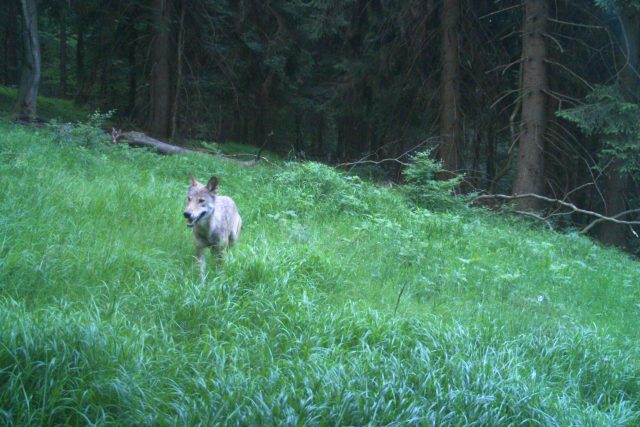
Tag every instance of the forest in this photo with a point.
(514, 97)
(439, 205)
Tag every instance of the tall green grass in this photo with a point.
(104, 320)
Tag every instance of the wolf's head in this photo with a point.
(200, 201)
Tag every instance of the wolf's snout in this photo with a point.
(187, 214)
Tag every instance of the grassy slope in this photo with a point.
(104, 320)
(47, 108)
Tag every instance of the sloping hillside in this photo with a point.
(103, 318)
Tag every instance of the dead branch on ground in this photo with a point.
(574, 209)
(364, 160)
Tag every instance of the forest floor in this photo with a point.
(342, 303)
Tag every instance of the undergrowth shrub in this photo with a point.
(312, 184)
(211, 147)
(422, 186)
(84, 133)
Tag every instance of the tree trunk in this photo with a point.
(160, 111)
(530, 171)
(10, 44)
(80, 64)
(133, 75)
(340, 152)
(476, 176)
(237, 125)
(450, 88)
(30, 76)
(245, 128)
(298, 125)
(104, 89)
(360, 136)
(617, 183)
(222, 127)
(178, 86)
(259, 134)
(63, 52)
(262, 121)
(350, 142)
(319, 139)
(615, 188)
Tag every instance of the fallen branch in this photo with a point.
(378, 162)
(599, 220)
(574, 208)
(34, 122)
(140, 139)
(256, 157)
(404, 285)
(247, 163)
(264, 144)
(537, 217)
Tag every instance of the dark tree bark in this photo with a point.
(318, 147)
(475, 163)
(237, 125)
(30, 76)
(350, 134)
(133, 72)
(530, 171)
(222, 126)
(262, 120)
(80, 75)
(178, 84)
(360, 136)
(104, 65)
(161, 87)
(616, 182)
(340, 153)
(259, 133)
(450, 133)
(63, 52)
(298, 125)
(245, 128)
(615, 186)
(10, 44)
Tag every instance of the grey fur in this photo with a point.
(215, 219)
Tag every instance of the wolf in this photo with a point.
(215, 219)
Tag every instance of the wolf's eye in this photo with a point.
(189, 198)
(200, 200)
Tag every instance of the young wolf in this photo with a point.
(215, 219)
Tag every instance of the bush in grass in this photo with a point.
(85, 133)
(422, 186)
(313, 183)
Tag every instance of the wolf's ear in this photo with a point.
(212, 185)
(194, 182)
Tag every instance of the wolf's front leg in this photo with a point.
(201, 261)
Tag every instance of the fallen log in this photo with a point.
(141, 140)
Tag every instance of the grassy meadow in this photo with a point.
(342, 304)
